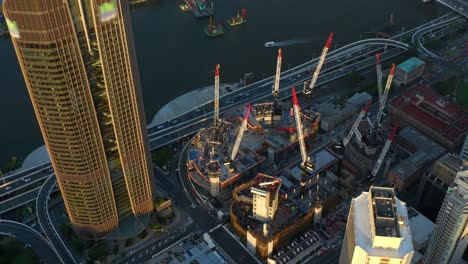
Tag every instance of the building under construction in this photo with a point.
(234, 148)
(367, 142)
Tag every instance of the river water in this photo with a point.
(175, 57)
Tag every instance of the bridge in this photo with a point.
(460, 6)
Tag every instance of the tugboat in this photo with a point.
(213, 30)
(234, 21)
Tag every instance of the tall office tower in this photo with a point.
(464, 152)
(79, 64)
(449, 241)
(378, 229)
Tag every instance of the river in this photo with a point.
(175, 57)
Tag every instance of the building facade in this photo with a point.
(464, 152)
(378, 230)
(409, 71)
(450, 239)
(77, 58)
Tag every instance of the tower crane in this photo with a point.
(385, 95)
(216, 96)
(384, 151)
(355, 125)
(379, 75)
(306, 164)
(242, 128)
(308, 90)
(278, 75)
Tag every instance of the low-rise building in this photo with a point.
(333, 115)
(419, 151)
(409, 71)
(438, 117)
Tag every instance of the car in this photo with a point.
(22, 179)
(27, 179)
(174, 121)
(160, 127)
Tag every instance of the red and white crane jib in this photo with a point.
(385, 94)
(385, 149)
(278, 74)
(355, 125)
(308, 90)
(242, 129)
(216, 95)
(379, 75)
(299, 128)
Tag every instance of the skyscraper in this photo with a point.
(378, 229)
(464, 152)
(449, 241)
(79, 64)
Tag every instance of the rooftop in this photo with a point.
(266, 183)
(421, 228)
(435, 111)
(308, 240)
(393, 244)
(410, 64)
(383, 201)
(193, 250)
(426, 150)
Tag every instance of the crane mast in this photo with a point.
(379, 75)
(384, 150)
(278, 74)
(216, 96)
(308, 91)
(299, 129)
(355, 125)
(385, 95)
(240, 134)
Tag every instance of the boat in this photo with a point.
(269, 44)
(238, 20)
(185, 7)
(213, 30)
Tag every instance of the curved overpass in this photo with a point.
(417, 36)
(28, 235)
(47, 227)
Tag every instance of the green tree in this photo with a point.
(129, 242)
(162, 157)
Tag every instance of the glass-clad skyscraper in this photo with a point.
(79, 64)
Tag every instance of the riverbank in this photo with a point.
(190, 101)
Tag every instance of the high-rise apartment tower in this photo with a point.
(79, 64)
(378, 229)
(449, 241)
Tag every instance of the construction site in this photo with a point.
(261, 160)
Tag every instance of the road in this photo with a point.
(340, 63)
(460, 6)
(189, 123)
(47, 227)
(28, 235)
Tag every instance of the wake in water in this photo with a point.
(287, 43)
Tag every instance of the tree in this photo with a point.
(161, 157)
(142, 234)
(128, 242)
